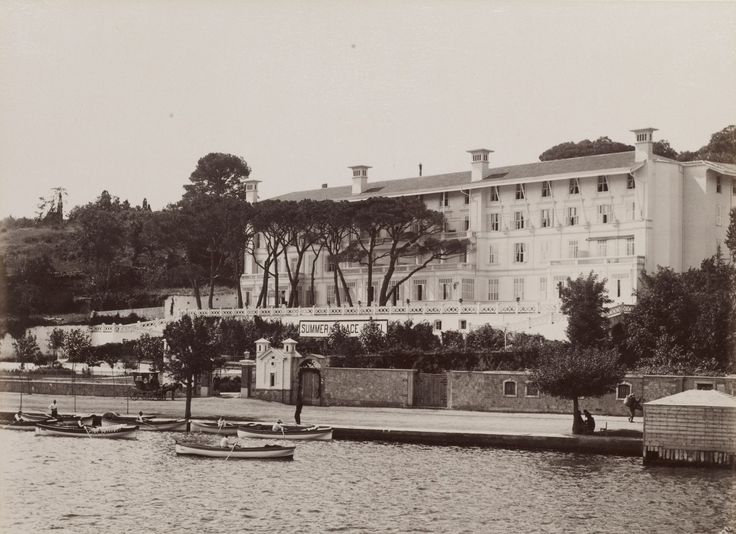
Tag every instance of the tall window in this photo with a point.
(546, 189)
(630, 251)
(631, 211)
(602, 184)
(466, 223)
(466, 196)
(542, 288)
(719, 216)
(493, 289)
(572, 248)
(445, 199)
(468, 289)
(546, 221)
(494, 222)
(602, 247)
(574, 186)
(630, 182)
(718, 184)
(544, 250)
(519, 252)
(520, 194)
(518, 288)
(493, 195)
(445, 288)
(519, 220)
(493, 254)
(604, 213)
(572, 216)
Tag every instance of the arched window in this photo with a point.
(623, 390)
(509, 388)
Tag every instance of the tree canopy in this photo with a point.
(570, 372)
(584, 301)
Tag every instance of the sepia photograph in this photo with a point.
(404, 266)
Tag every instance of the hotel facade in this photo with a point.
(532, 226)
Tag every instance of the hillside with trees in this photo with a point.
(721, 148)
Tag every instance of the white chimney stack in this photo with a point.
(644, 143)
(479, 163)
(360, 178)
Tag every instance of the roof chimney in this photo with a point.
(360, 178)
(479, 163)
(644, 143)
(251, 190)
(420, 169)
(324, 186)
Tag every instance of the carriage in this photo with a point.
(148, 387)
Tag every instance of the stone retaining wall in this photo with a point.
(368, 387)
(79, 387)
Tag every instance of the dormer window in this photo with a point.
(493, 196)
(444, 199)
(520, 195)
(602, 184)
(574, 186)
(546, 189)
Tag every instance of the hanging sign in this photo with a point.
(323, 328)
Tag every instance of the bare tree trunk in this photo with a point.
(311, 282)
(188, 406)
(239, 269)
(577, 422)
(276, 295)
(337, 287)
(345, 286)
(263, 296)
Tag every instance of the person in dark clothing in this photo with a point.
(589, 422)
(578, 425)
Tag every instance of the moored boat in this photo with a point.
(260, 430)
(259, 453)
(210, 427)
(26, 425)
(108, 432)
(149, 424)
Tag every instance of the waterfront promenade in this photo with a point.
(523, 430)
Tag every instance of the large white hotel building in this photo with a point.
(531, 226)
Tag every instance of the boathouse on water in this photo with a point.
(692, 427)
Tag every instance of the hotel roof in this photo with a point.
(585, 164)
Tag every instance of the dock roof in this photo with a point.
(697, 397)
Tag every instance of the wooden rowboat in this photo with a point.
(26, 425)
(149, 424)
(260, 430)
(258, 453)
(108, 432)
(209, 427)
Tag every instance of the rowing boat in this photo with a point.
(209, 427)
(260, 430)
(209, 451)
(26, 425)
(109, 432)
(150, 424)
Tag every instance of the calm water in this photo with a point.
(85, 486)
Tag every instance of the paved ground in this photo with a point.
(383, 418)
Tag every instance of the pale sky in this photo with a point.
(128, 95)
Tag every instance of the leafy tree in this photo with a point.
(586, 147)
(299, 237)
(408, 335)
(452, 339)
(340, 343)
(721, 147)
(77, 346)
(485, 338)
(56, 341)
(584, 302)
(150, 348)
(26, 350)
(663, 148)
(690, 314)
(218, 175)
(372, 338)
(415, 234)
(570, 372)
(192, 351)
(731, 235)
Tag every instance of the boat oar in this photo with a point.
(231, 450)
(87, 431)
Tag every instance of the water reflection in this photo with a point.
(132, 486)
